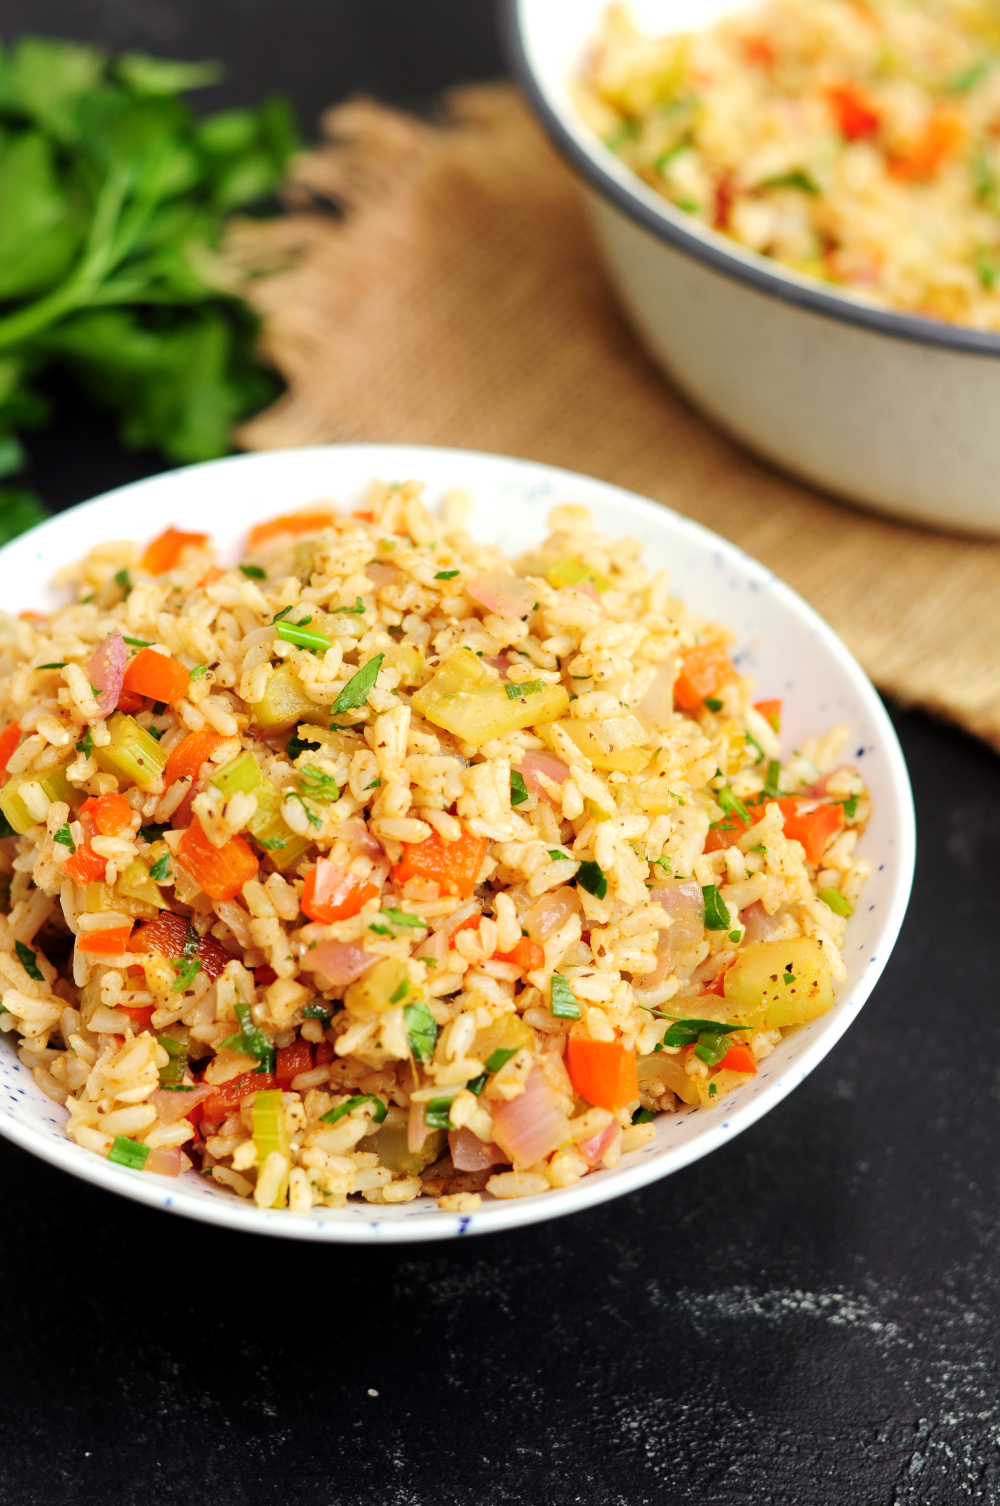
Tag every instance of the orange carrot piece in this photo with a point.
(856, 118)
(602, 1072)
(220, 871)
(333, 893)
(704, 669)
(187, 758)
(771, 712)
(109, 943)
(526, 954)
(813, 828)
(9, 739)
(942, 139)
(85, 866)
(210, 576)
(739, 1059)
(453, 865)
(166, 549)
(111, 814)
(157, 676)
(295, 522)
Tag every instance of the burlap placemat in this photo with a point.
(459, 300)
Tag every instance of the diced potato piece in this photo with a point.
(383, 987)
(267, 825)
(573, 572)
(99, 898)
(55, 785)
(723, 1082)
(613, 742)
(467, 698)
(655, 796)
(408, 662)
(788, 980)
(131, 754)
(285, 701)
(508, 1033)
(667, 1069)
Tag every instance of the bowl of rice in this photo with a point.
(797, 201)
(399, 843)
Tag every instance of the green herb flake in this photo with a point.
(713, 703)
(558, 856)
(732, 805)
(355, 692)
(437, 1112)
(311, 817)
(303, 636)
(320, 787)
(446, 575)
(375, 784)
(317, 1012)
(477, 1084)
(128, 1153)
(86, 744)
(716, 910)
(788, 977)
(154, 833)
(498, 1059)
(850, 808)
(123, 581)
(29, 961)
(798, 179)
(755, 744)
(65, 837)
(380, 930)
(421, 1029)
(358, 609)
(562, 1002)
(642, 1116)
(59, 664)
(186, 975)
(712, 1090)
(836, 902)
(280, 616)
(379, 1109)
(253, 572)
(160, 871)
(518, 788)
(734, 937)
(404, 918)
(771, 781)
(198, 671)
(401, 992)
(516, 691)
(591, 876)
(137, 642)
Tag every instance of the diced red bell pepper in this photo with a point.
(602, 1072)
(140, 1015)
(717, 985)
(166, 935)
(111, 814)
(291, 1060)
(807, 820)
(771, 712)
(9, 739)
(187, 758)
(224, 1099)
(525, 954)
(128, 702)
(857, 119)
(453, 865)
(739, 1059)
(111, 942)
(332, 893)
(220, 871)
(704, 670)
(324, 1053)
(264, 975)
(85, 866)
(157, 676)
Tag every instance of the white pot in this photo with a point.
(890, 410)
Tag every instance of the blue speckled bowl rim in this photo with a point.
(365, 1223)
(604, 172)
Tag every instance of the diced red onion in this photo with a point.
(359, 839)
(594, 1149)
(498, 662)
(645, 982)
(417, 1129)
(502, 593)
(381, 574)
(658, 702)
(535, 763)
(337, 960)
(165, 1160)
(759, 926)
(469, 1153)
(680, 897)
(106, 671)
(550, 913)
(532, 1126)
(173, 1106)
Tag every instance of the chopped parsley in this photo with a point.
(716, 909)
(29, 961)
(591, 876)
(154, 833)
(298, 744)
(446, 575)
(708, 1037)
(317, 1012)
(355, 692)
(850, 807)
(642, 1116)
(713, 703)
(358, 609)
(422, 1030)
(518, 788)
(65, 837)
(86, 744)
(160, 871)
(124, 582)
(404, 918)
(562, 1000)
(732, 805)
(559, 857)
(322, 788)
(251, 1041)
(253, 572)
(311, 817)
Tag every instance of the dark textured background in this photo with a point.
(808, 1316)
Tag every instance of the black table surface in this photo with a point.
(807, 1316)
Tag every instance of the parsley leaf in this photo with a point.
(716, 909)
(518, 788)
(422, 1030)
(322, 788)
(446, 575)
(65, 837)
(253, 572)
(355, 692)
(86, 744)
(591, 876)
(562, 1000)
(160, 871)
(29, 961)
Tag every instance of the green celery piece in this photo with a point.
(132, 754)
(267, 825)
(14, 810)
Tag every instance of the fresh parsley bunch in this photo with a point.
(113, 199)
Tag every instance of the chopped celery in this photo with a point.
(267, 825)
(136, 883)
(131, 754)
(285, 701)
(465, 697)
(269, 1134)
(573, 572)
(53, 782)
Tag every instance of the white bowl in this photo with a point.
(888, 409)
(788, 648)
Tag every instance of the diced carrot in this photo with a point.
(141, 1015)
(728, 831)
(812, 827)
(166, 549)
(704, 670)
(771, 712)
(109, 943)
(758, 50)
(717, 985)
(186, 759)
(296, 522)
(128, 702)
(856, 118)
(333, 893)
(211, 576)
(602, 1072)
(157, 676)
(220, 871)
(525, 954)
(453, 865)
(85, 866)
(230, 1093)
(725, 195)
(291, 1060)
(470, 923)
(111, 813)
(943, 137)
(166, 935)
(739, 1059)
(9, 739)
